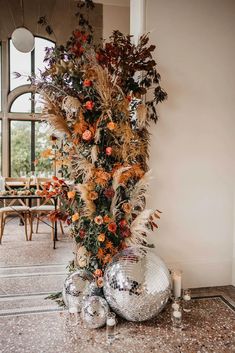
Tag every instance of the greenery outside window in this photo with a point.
(27, 142)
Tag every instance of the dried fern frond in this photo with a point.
(89, 206)
(53, 114)
(115, 186)
(81, 166)
(142, 115)
(139, 228)
(138, 194)
(104, 87)
(97, 135)
(94, 154)
(109, 92)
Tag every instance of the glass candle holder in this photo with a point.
(176, 282)
(110, 327)
(175, 304)
(176, 318)
(72, 311)
(187, 300)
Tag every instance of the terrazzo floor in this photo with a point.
(29, 271)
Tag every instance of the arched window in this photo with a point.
(24, 138)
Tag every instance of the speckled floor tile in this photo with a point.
(19, 285)
(26, 302)
(209, 328)
(31, 270)
(15, 250)
(30, 324)
(2, 292)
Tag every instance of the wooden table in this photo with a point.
(30, 198)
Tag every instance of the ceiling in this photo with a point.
(60, 15)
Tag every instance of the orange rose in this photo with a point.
(100, 282)
(87, 135)
(87, 83)
(112, 227)
(75, 217)
(126, 207)
(92, 195)
(101, 237)
(107, 219)
(98, 272)
(108, 151)
(99, 220)
(71, 194)
(111, 125)
(89, 105)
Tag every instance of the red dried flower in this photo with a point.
(123, 223)
(126, 233)
(112, 227)
(89, 105)
(87, 83)
(109, 193)
(84, 37)
(82, 233)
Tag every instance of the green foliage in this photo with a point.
(21, 149)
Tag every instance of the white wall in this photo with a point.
(115, 17)
(192, 148)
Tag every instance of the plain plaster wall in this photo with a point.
(115, 17)
(192, 146)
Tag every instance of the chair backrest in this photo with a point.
(12, 184)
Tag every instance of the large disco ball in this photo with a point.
(94, 311)
(137, 284)
(76, 287)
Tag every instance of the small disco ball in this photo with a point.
(137, 284)
(94, 311)
(76, 287)
(93, 289)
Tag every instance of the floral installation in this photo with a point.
(96, 99)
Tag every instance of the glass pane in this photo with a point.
(0, 78)
(22, 104)
(21, 63)
(38, 103)
(20, 133)
(40, 45)
(43, 150)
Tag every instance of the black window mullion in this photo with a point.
(33, 111)
(9, 146)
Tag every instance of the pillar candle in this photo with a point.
(176, 278)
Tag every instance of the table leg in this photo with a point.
(55, 225)
(21, 222)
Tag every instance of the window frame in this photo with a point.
(8, 97)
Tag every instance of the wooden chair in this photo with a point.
(43, 209)
(22, 209)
